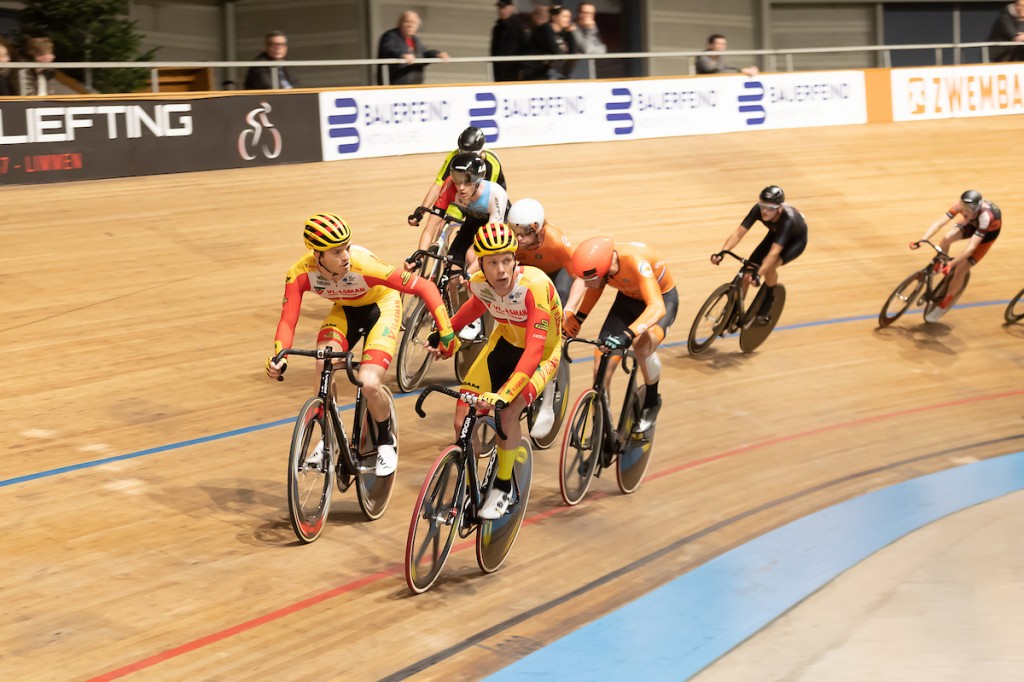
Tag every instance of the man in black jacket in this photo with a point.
(275, 47)
(401, 43)
(1009, 26)
(555, 38)
(508, 38)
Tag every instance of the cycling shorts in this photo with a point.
(498, 360)
(377, 323)
(790, 251)
(626, 309)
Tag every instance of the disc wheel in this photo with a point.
(373, 491)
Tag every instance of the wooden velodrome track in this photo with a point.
(137, 313)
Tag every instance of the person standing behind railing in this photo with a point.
(1009, 26)
(7, 88)
(552, 38)
(587, 37)
(37, 82)
(401, 43)
(713, 64)
(508, 38)
(275, 48)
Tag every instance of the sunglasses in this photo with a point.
(769, 207)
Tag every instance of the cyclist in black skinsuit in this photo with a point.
(785, 241)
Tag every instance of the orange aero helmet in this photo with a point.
(593, 258)
(325, 231)
(495, 238)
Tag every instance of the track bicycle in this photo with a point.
(562, 382)
(591, 443)
(918, 289)
(723, 312)
(344, 461)
(453, 492)
(1015, 310)
(414, 358)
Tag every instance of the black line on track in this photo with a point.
(432, 660)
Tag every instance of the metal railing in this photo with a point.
(772, 59)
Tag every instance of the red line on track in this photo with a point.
(535, 518)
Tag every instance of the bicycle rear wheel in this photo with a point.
(710, 320)
(581, 447)
(494, 539)
(561, 380)
(902, 297)
(435, 520)
(413, 358)
(636, 451)
(374, 492)
(1015, 310)
(469, 351)
(753, 335)
(310, 485)
(940, 293)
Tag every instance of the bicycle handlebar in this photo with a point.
(938, 249)
(747, 265)
(420, 254)
(468, 398)
(624, 352)
(417, 215)
(323, 354)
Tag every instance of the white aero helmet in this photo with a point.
(526, 212)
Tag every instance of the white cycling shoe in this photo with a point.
(545, 420)
(387, 460)
(471, 330)
(496, 505)
(316, 457)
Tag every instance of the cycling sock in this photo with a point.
(503, 485)
(651, 397)
(506, 461)
(384, 432)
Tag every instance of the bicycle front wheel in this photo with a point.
(558, 398)
(413, 357)
(1015, 310)
(494, 539)
(310, 484)
(435, 520)
(710, 320)
(901, 299)
(373, 491)
(581, 447)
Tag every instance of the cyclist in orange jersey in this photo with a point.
(543, 246)
(364, 290)
(644, 308)
(523, 351)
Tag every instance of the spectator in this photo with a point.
(587, 37)
(541, 15)
(401, 43)
(275, 47)
(554, 38)
(7, 88)
(507, 38)
(709, 64)
(1009, 26)
(37, 82)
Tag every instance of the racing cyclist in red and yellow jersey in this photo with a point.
(644, 308)
(543, 246)
(523, 351)
(364, 290)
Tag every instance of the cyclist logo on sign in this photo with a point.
(261, 137)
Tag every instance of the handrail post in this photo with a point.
(938, 56)
(154, 79)
(789, 61)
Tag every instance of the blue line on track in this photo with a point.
(677, 630)
(281, 422)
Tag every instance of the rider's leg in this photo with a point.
(509, 449)
(646, 347)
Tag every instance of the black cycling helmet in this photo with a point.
(469, 164)
(972, 198)
(471, 140)
(772, 194)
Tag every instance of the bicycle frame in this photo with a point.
(616, 444)
(737, 313)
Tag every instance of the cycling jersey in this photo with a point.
(490, 202)
(494, 171)
(985, 224)
(551, 256)
(788, 227)
(370, 283)
(642, 275)
(529, 317)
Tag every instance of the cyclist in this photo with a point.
(644, 308)
(471, 140)
(364, 290)
(981, 222)
(465, 194)
(520, 356)
(785, 241)
(543, 246)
